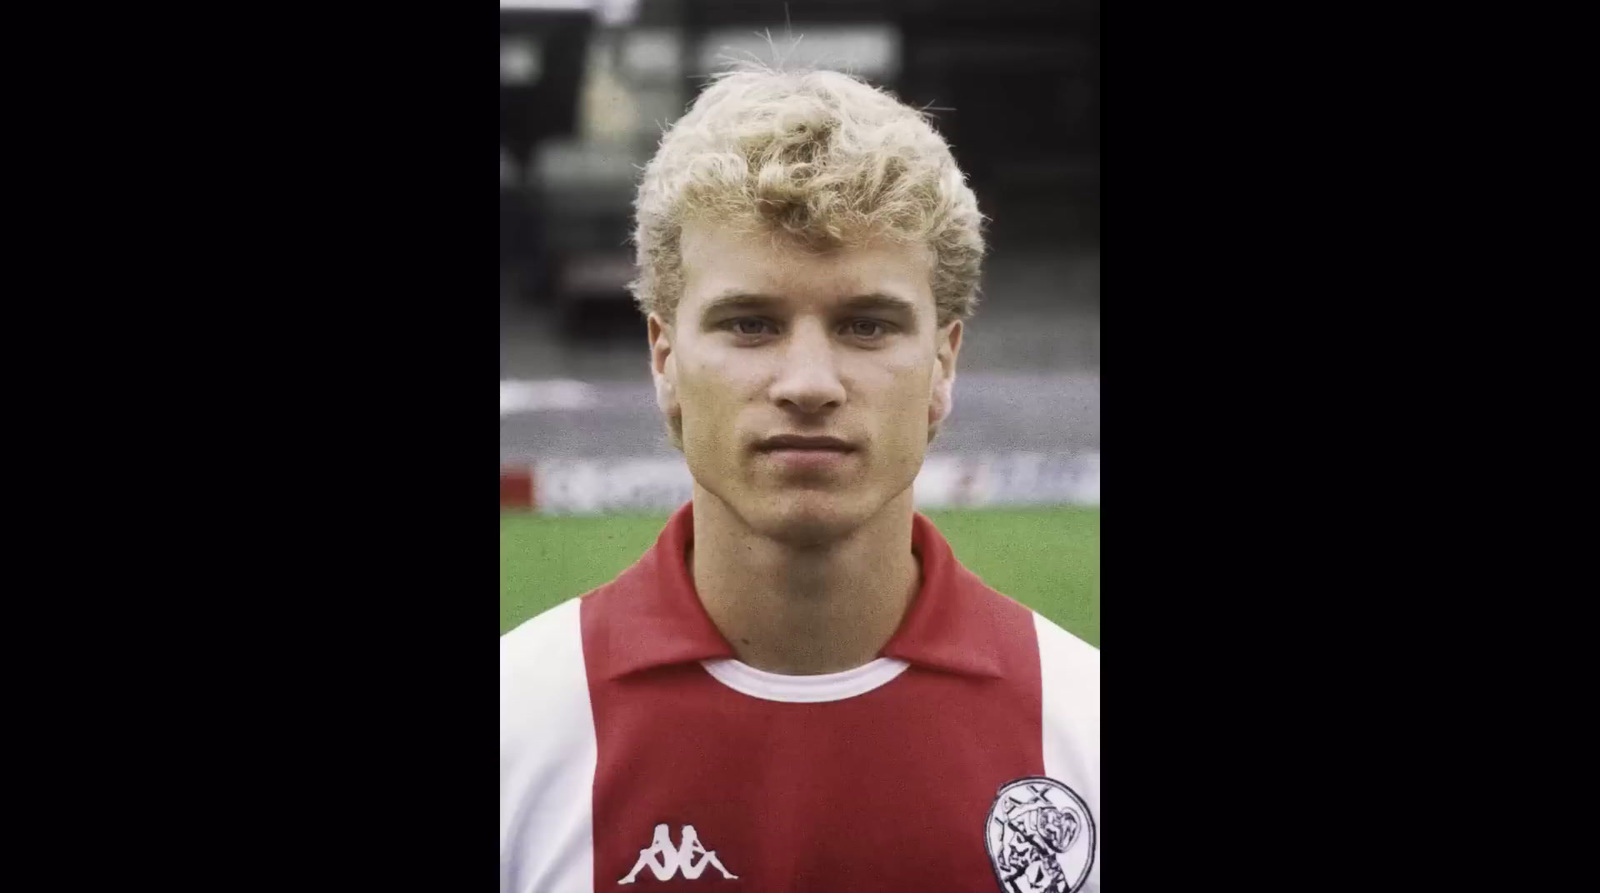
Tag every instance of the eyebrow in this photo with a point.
(875, 301)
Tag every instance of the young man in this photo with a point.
(798, 688)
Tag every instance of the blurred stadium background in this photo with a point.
(586, 475)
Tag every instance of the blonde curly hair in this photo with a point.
(821, 156)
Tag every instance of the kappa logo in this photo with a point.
(1041, 837)
(665, 860)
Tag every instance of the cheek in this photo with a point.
(897, 390)
(711, 392)
(899, 370)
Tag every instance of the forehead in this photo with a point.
(719, 259)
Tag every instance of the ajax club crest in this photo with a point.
(1041, 837)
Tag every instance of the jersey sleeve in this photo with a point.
(1070, 695)
(547, 757)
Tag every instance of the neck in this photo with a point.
(804, 610)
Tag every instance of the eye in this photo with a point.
(867, 329)
(748, 326)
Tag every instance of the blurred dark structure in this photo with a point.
(542, 54)
(1014, 85)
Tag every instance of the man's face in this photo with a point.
(806, 383)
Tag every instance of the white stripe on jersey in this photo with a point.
(547, 757)
(1069, 670)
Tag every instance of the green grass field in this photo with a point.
(1048, 559)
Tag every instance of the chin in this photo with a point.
(807, 526)
(810, 518)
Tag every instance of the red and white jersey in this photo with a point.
(636, 752)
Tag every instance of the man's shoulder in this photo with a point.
(1069, 670)
(1006, 610)
(562, 623)
(547, 745)
(1066, 647)
(551, 626)
(541, 660)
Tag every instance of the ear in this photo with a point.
(947, 348)
(663, 364)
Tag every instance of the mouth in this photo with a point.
(804, 443)
(806, 455)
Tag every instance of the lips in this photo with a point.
(804, 442)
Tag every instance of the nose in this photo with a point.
(808, 377)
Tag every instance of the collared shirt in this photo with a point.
(637, 751)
